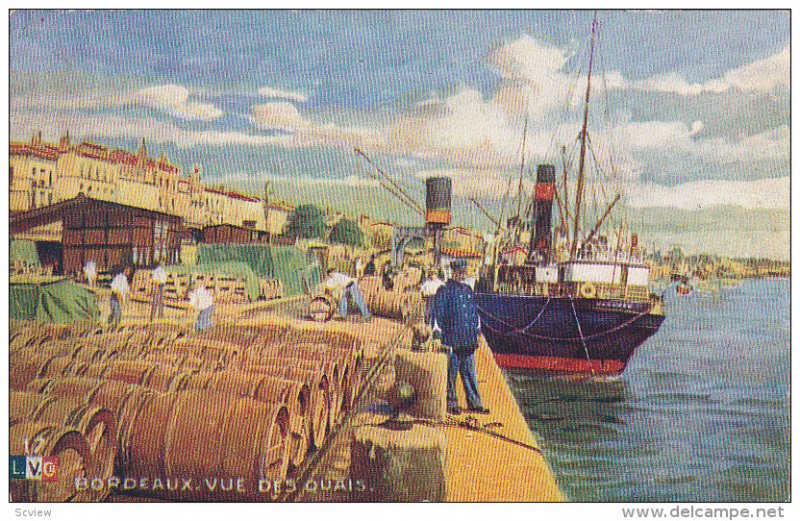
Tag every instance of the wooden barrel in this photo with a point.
(22, 404)
(267, 389)
(199, 380)
(25, 367)
(166, 378)
(92, 353)
(66, 444)
(199, 435)
(319, 395)
(128, 371)
(39, 385)
(212, 352)
(57, 348)
(233, 334)
(73, 386)
(315, 362)
(63, 366)
(98, 427)
(297, 397)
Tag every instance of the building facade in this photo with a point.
(42, 174)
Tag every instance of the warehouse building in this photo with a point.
(110, 234)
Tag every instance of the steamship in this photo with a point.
(573, 301)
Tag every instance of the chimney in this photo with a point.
(63, 143)
(542, 212)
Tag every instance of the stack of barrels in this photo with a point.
(402, 302)
(228, 290)
(240, 405)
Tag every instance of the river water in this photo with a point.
(700, 414)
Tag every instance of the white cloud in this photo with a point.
(349, 181)
(110, 126)
(669, 138)
(170, 99)
(174, 99)
(770, 145)
(270, 92)
(278, 115)
(763, 193)
(759, 76)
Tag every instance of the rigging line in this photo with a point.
(526, 328)
(522, 163)
(505, 203)
(580, 332)
(410, 200)
(513, 330)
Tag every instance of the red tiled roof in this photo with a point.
(461, 253)
(28, 150)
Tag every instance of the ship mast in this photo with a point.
(579, 189)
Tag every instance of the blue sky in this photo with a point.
(692, 109)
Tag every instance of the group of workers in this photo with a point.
(451, 311)
(200, 298)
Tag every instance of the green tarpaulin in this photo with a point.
(61, 301)
(22, 250)
(296, 269)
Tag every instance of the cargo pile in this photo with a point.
(239, 403)
(226, 289)
(403, 301)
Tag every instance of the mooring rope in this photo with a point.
(580, 332)
(523, 331)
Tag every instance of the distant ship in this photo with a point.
(582, 307)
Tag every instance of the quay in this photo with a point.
(151, 385)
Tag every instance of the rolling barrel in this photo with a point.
(66, 444)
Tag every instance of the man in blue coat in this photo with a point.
(456, 321)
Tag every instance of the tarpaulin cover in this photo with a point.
(23, 250)
(239, 270)
(296, 269)
(60, 301)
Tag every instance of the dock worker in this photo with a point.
(119, 290)
(388, 276)
(90, 271)
(338, 282)
(428, 291)
(203, 301)
(456, 321)
(158, 279)
(369, 269)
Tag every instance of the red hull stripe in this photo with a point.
(566, 365)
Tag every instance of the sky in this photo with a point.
(690, 109)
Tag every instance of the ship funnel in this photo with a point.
(437, 201)
(542, 212)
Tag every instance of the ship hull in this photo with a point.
(564, 334)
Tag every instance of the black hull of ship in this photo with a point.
(565, 334)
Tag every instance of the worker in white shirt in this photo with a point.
(428, 291)
(339, 282)
(90, 271)
(202, 300)
(119, 290)
(159, 279)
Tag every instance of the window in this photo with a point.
(50, 198)
(51, 177)
(10, 175)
